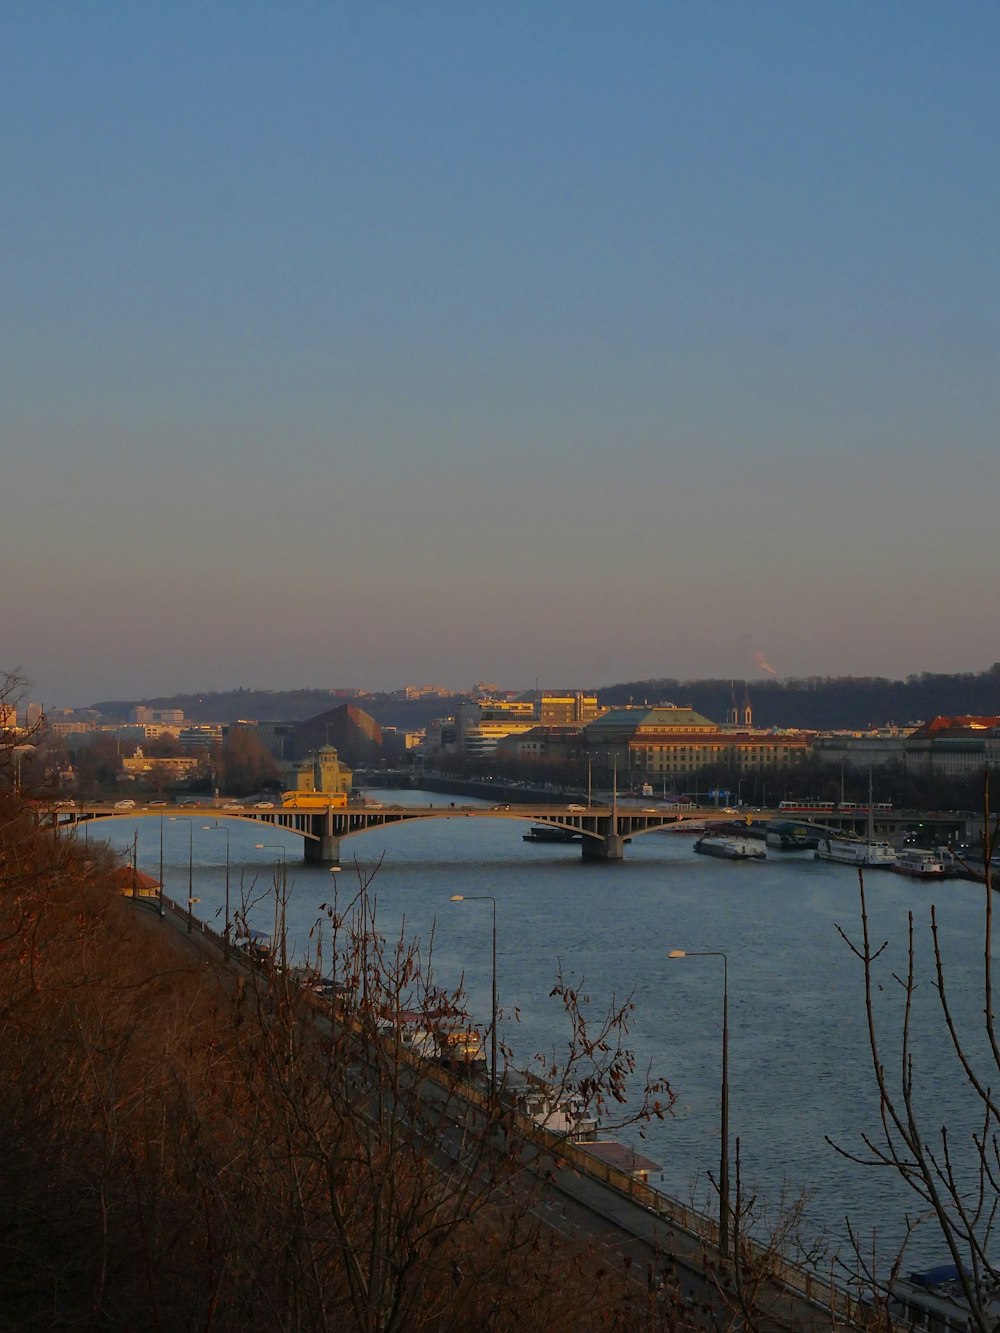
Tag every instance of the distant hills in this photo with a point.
(826, 702)
(815, 702)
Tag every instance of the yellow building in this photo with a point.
(320, 782)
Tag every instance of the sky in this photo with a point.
(353, 344)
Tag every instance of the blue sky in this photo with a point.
(373, 343)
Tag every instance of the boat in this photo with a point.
(936, 1298)
(791, 838)
(549, 833)
(731, 849)
(865, 852)
(919, 864)
(857, 852)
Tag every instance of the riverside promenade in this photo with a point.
(659, 1242)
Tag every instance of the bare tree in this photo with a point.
(955, 1180)
(413, 1194)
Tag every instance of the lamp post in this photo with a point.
(488, 898)
(280, 895)
(724, 1127)
(161, 863)
(277, 847)
(225, 939)
(190, 875)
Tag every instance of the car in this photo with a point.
(576, 807)
(232, 805)
(187, 805)
(124, 805)
(501, 807)
(264, 805)
(152, 804)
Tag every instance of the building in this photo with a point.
(862, 750)
(544, 745)
(206, 739)
(483, 726)
(173, 768)
(440, 736)
(353, 732)
(168, 717)
(480, 727)
(321, 773)
(561, 709)
(953, 747)
(668, 742)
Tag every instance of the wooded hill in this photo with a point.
(813, 702)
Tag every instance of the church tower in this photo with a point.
(747, 710)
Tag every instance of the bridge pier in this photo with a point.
(609, 848)
(324, 851)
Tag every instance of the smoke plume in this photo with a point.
(762, 664)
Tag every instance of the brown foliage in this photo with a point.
(184, 1146)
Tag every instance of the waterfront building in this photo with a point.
(667, 741)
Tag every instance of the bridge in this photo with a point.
(603, 829)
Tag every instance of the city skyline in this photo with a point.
(563, 345)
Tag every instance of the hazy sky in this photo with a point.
(357, 344)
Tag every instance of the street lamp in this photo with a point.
(274, 846)
(225, 939)
(190, 875)
(487, 898)
(161, 863)
(724, 1128)
(280, 895)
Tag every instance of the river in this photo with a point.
(799, 1064)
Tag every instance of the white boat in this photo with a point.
(731, 849)
(857, 852)
(919, 864)
(864, 852)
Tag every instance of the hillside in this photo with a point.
(820, 702)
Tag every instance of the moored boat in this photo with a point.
(919, 864)
(791, 838)
(857, 852)
(936, 1298)
(549, 833)
(730, 849)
